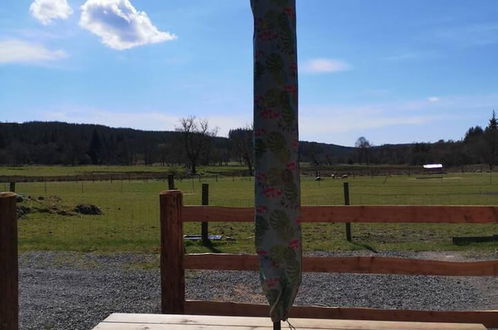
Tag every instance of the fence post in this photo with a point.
(204, 225)
(171, 182)
(346, 202)
(12, 187)
(9, 287)
(172, 253)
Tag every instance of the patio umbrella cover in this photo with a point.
(277, 188)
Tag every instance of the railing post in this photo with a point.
(204, 225)
(171, 182)
(9, 287)
(346, 202)
(12, 187)
(172, 253)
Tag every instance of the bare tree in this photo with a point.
(241, 143)
(196, 137)
(363, 146)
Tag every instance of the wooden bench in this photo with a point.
(195, 322)
(174, 261)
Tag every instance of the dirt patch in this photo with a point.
(87, 209)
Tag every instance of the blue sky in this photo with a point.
(392, 71)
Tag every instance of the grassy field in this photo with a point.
(131, 212)
(89, 170)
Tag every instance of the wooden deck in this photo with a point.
(196, 322)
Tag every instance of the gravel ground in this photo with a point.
(64, 290)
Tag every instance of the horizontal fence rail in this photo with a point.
(358, 265)
(488, 318)
(348, 213)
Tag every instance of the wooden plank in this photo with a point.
(348, 214)
(487, 318)
(173, 272)
(194, 213)
(9, 283)
(148, 326)
(204, 225)
(230, 322)
(361, 265)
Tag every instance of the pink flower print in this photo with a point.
(291, 166)
(261, 177)
(294, 244)
(267, 35)
(295, 145)
(260, 132)
(259, 99)
(261, 252)
(271, 192)
(272, 282)
(261, 209)
(291, 89)
(269, 114)
(289, 11)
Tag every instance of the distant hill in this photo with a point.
(62, 143)
(76, 144)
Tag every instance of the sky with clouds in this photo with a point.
(392, 71)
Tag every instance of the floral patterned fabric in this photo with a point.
(277, 188)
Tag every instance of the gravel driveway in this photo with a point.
(65, 290)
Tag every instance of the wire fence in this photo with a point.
(52, 213)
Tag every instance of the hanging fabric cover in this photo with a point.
(277, 187)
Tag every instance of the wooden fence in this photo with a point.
(174, 261)
(9, 288)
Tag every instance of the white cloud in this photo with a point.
(17, 51)
(45, 11)
(325, 65)
(119, 25)
(433, 99)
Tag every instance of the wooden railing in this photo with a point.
(9, 273)
(174, 261)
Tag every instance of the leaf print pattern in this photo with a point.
(277, 187)
(278, 146)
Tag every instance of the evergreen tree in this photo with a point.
(95, 148)
(491, 136)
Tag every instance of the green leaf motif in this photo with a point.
(259, 70)
(293, 271)
(288, 113)
(291, 193)
(281, 2)
(278, 145)
(282, 254)
(275, 64)
(281, 224)
(259, 148)
(286, 36)
(271, 19)
(262, 227)
(272, 98)
(275, 177)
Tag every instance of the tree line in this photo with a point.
(195, 143)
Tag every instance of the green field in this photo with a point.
(131, 212)
(90, 170)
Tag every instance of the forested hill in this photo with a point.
(75, 144)
(78, 144)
